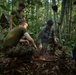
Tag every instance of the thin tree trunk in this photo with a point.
(12, 4)
(54, 3)
(50, 10)
(70, 19)
(61, 17)
(62, 11)
(45, 10)
(67, 20)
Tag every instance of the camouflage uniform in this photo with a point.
(17, 16)
(46, 36)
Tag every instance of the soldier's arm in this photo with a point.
(30, 39)
(24, 41)
(11, 16)
(11, 22)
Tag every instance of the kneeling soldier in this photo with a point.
(14, 36)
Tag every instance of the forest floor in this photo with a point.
(47, 64)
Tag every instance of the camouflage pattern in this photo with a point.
(46, 35)
(14, 36)
(20, 50)
(17, 16)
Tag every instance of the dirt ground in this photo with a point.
(47, 64)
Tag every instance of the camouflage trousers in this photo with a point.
(47, 47)
(44, 49)
(18, 51)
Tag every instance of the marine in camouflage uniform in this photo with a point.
(13, 38)
(46, 36)
(17, 15)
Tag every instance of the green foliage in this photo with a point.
(36, 13)
(74, 15)
(1, 54)
(2, 36)
(71, 42)
(4, 8)
(34, 30)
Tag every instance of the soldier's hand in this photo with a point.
(56, 40)
(35, 46)
(27, 42)
(40, 46)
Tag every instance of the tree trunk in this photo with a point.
(62, 11)
(70, 19)
(54, 4)
(61, 17)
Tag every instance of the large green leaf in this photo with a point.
(5, 8)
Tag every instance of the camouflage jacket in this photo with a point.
(46, 35)
(17, 16)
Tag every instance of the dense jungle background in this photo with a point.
(37, 13)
